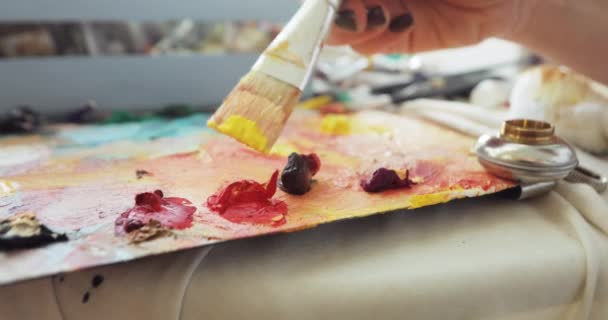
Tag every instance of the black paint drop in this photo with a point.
(87, 113)
(85, 297)
(139, 173)
(97, 281)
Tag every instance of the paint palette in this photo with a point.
(77, 180)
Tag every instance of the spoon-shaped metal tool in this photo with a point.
(529, 152)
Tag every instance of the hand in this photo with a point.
(391, 26)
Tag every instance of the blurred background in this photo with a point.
(144, 55)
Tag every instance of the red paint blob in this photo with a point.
(385, 179)
(249, 202)
(333, 108)
(173, 213)
(314, 163)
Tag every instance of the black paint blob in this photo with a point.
(87, 113)
(42, 237)
(21, 119)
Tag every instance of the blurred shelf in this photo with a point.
(55, 85)
(146, 10)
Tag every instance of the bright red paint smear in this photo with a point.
(249, 202)
(173, 213)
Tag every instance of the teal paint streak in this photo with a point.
(94, 135)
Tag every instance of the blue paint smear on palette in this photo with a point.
(95, 135)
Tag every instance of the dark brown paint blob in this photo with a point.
(385, 179)
(296, 177)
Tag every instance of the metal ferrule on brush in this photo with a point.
(293, 54)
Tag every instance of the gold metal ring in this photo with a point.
(528, 131)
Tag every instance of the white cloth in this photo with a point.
(485, 258)
(592, 210)
(151, 288)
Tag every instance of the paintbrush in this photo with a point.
(256, 110)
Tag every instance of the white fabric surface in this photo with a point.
(487, 258)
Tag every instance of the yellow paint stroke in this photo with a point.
(417, 180)
(339, 124)
(281, 52)
(338, 159)
(283, 149)
(243, 130)
(457, 188)
(423, 200)
(8, 187)
(376, 129)
(336, 124)
(316, 102)
(401, 173)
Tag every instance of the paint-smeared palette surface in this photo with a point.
(82, 182)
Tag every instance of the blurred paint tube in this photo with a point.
(395, 63)
(377, 79)
(361, 98)
(316, 103)
(342, 68)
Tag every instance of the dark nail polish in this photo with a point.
(346, 19)
(375, 18)
(401, 23)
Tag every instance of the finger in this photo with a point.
(394, 35)
(377, 15)
(351, 17)
(375, 19)
(439, 26)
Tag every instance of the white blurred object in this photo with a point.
(428, 108)
(491, 93)
(487, 54)
(361, 98)
(340, 63)
(377, 79)
(395, 63)
(574, 104)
